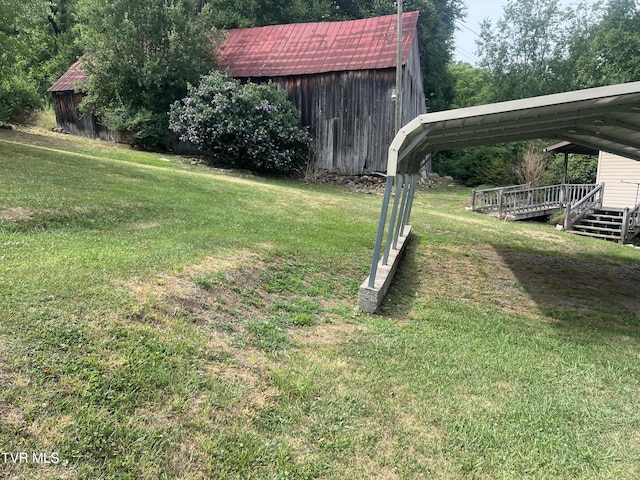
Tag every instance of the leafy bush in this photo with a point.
(580, 169)
(250, 126)
(19, 101)
(148, 130)
(473, 166)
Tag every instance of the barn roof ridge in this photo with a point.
(317, 47)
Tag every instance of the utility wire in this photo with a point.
(462, 51)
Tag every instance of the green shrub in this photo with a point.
(486, 165)
(19, 101)
(250, 126)
(580, 169)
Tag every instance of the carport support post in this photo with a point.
(412, 192)
(383, 220)
(401, 216)
(373, 289)
(392, 222)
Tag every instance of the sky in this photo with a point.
(469, 29)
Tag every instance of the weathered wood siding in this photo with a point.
(614, 171)
(71, 120)
(351, 115)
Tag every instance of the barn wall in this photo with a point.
(351, 115)
(614, 171)
(413, 100)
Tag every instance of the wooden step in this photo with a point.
(604, 231)
(603, 218)
(613, 238)
(596, 223)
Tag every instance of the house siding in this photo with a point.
(621, 177)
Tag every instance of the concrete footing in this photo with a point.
(370, 298)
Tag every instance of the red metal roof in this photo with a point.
(310, 48)
(70, 80)
(301, 49)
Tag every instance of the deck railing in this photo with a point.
(522, 199)
(575, 211)
(493, 199)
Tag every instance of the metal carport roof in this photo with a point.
(603, 118)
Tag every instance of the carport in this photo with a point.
(604, 118)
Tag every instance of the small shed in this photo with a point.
(67, 95)
(341, 76)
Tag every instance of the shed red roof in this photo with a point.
(70, 79)
(310, 48)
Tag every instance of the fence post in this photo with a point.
(500, 202)
(473, 200)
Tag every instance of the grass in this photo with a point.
(164, 320)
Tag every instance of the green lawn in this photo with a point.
(165, 320)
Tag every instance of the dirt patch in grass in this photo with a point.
(327, 335)
(233, 302)
(14, 214)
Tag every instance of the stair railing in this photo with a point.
(575, 211)
(630, 224)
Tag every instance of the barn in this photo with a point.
(340, 75)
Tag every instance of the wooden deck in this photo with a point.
(582, 204)
(519, 202)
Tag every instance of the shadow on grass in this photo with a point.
(406, 282)
(580, 291)
(576, 293)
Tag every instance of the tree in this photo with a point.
(257, 13)
(471, 85)
(54, 43)
(533, 167)
(609, 53)
(140, 56)
(532, 49)
(250, 126)
(19, 97)
(437, 24)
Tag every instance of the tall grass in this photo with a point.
(162, 320)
